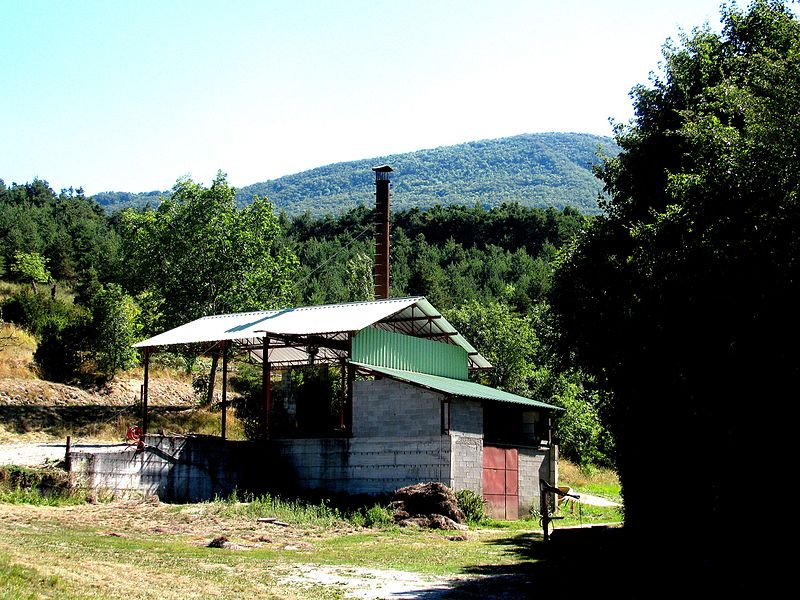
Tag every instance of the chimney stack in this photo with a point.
(381, 273)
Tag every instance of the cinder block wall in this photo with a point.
(376, 465)
(534, 464)
(174, 468)
(388, 408)
(397, 441)
(466, 439)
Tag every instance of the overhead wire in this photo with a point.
(327, 261)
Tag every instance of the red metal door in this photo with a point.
(501, 482)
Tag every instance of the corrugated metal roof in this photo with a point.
(413, 316)
(455, 387)
(304, 320)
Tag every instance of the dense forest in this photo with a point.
(136, 272)
(535, 170)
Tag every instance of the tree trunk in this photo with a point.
(212, 377)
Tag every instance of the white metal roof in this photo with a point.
(412, 316)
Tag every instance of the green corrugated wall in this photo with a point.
(397, 351)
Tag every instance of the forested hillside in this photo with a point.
(536, 170)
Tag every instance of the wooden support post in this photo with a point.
(145, 392)
(212, 376)
(544, 509)
(266, 384)
(224, 387)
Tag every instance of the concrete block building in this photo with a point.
(404, 411)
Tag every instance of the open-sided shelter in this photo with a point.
(406, 410)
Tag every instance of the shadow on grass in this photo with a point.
(603, 562)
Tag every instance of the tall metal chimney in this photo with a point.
(381, 272)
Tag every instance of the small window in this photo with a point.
(445, 408)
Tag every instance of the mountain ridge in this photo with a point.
(534, 169)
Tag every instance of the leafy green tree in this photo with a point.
(202, 255)
(360, 284)
(32, 266)
(522, 365)
(507, 340)
(681, 298)
(114, 319)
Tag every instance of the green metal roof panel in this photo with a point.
(407, 353)
(454, 387)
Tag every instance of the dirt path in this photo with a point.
(369, 584)
(31, 455)
(42, 454)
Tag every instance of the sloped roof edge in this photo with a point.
(455, 387)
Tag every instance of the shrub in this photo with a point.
(378, 516)
(36, 312)
(472, 505)
(59, 355)
(22, 485)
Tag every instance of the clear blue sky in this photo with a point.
(130, 95)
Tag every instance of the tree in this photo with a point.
(114, 318)
(506, 339)
(360, 284)
(31, 266)
(680, 298)
(522, 366)
(203, 256)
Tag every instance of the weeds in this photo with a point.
(375, 516)
(300, 512)
(37, 498)
(472, 505)
(40, 487)
(295, 511)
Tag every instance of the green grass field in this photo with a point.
(73, 549)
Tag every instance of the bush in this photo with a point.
(22, 485)
(472, 505)
(59, 355)
(35, 312)
(378, 516)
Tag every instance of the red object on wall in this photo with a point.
(501, 482)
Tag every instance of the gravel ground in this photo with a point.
(37, 455)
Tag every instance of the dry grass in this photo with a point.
(16, 352)
(597, 481)
(9, 288)
(153, 550)
(201, 421)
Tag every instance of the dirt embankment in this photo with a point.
(120, 392)
(32, 410)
